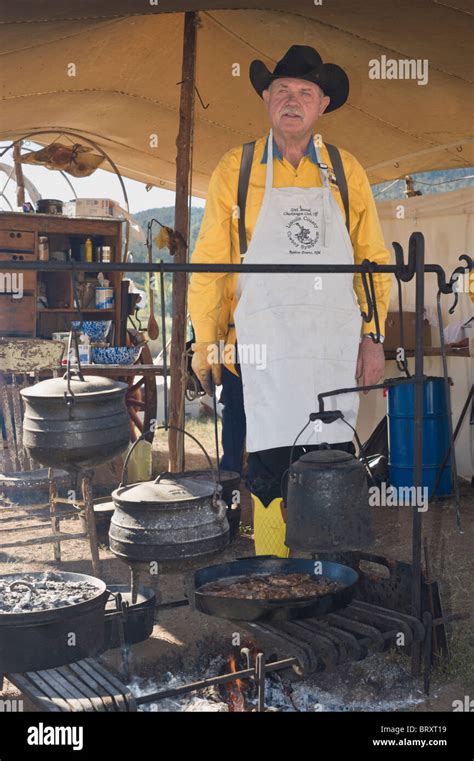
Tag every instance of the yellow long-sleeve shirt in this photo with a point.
(212, 296)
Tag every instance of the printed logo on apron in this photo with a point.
(303, 230)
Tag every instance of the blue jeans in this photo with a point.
(234, 425)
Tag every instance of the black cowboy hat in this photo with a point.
(303, 62)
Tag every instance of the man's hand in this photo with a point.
(206, 365)
(370, 362)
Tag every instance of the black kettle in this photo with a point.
(328, 503)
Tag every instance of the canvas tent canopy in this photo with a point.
(123, 93)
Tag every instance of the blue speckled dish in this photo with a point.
(116, 355)
(95, 329)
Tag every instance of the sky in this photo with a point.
(101, 184)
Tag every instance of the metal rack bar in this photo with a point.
(155, 267)
(258, 673)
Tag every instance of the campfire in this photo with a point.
(240, 694)
(370, 685)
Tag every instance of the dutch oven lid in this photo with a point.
(55, 388)
(325, 457)
(165, 489)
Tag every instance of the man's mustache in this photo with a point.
(289, 111)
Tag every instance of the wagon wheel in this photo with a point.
(141, 396)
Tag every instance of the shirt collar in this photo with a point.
(310, 152)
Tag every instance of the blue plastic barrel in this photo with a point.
(401, 408)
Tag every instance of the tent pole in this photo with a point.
(20, 183)
(183, 161)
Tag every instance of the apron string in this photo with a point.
(269, 175)
(326, 191)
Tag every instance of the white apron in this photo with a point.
(298, 334)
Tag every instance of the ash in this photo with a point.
(47, 591)
(376, 684)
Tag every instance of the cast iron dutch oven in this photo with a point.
(80, 422)
(138, 618)
(173, 518)
(43, 639)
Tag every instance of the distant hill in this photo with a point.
(165, 215)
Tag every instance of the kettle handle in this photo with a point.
(217, 488)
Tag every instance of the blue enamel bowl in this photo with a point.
(95, 329)
(116, 355)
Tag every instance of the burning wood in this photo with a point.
(240, 693)
(235, 690)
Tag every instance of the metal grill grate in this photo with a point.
(351, 634)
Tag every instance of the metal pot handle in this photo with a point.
(21, 583)
(121, 607)
(217, 486)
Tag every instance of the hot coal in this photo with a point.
(46, 592)
(276, 586)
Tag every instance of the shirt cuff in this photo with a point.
(205, 334)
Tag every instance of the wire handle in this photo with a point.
(330, 416)
(217, 486)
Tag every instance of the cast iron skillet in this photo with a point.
(271, 610)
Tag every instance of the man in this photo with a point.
(298, 334)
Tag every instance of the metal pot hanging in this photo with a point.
(328, 503)
(75, 421)
(175, 517)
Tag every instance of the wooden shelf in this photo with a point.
(19, 231)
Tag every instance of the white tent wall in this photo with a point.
(447, 223)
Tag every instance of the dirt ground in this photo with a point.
(182, 637)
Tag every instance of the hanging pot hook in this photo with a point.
(369, 290)
(455, 278)
(366, 316)
(402, 364)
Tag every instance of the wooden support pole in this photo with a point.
(183, 163)
(20, 183)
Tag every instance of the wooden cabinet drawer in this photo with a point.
(16, 239)
(17, 316)
(8, 279)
